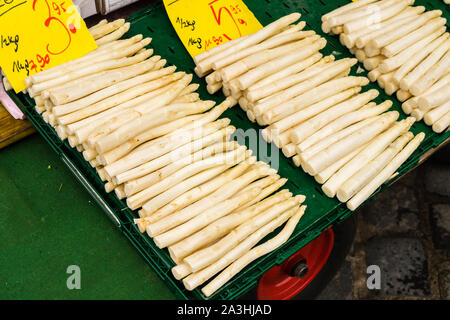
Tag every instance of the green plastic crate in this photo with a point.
(322, 211)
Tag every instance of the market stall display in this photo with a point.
(406, 50)
(322, 211)
(155, 143)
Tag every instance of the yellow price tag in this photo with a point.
(39, 34)
(205, 24)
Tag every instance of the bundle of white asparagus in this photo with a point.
(314, 111)
(406, 50)
(152, 141)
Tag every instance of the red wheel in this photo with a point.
(285, 281)
(307, 272)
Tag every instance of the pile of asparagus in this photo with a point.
(314, 111)
(152, 140)
(405, 49)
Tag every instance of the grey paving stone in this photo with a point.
(340, 288)
(440, 225)
(395, 209)
(444, 284)
(437, 178)
(403, 266)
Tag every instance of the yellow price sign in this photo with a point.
(205, 24)
(39, 34)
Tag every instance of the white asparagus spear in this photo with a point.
(99, 81)
(113, 35)
(324, 143)
(261, 58)
(115, 95)
(317, 94)
(205, 65)
(102, 30)
(83, 129)
(403, 95)
(363, 12)
(363, 176)
(346, 8)
(262, 88)
(412, 103)
(403, 43)
(202, 220)
(198, 193)
(224, 192)
(332, 69)
(289, 81)
(177, 190)
(271, 184)
(435, 114)
(383, 29)
(306, 129)
(156, 102)
(213, 88)
(138, 184)
(336, 151)
(199, 277)
(434, 98)
(154, 149)
(211, 78)
(350, 39)
(384, 78)
(222, 226)
(418, 114)
(384, 174)
(107, 61)
(254, 254)
(207, 256)
(137, 200)
(374, 74)
(326, 173)
(390, 87)
(425, 65)
(343, 122)
(215, 50)
(373, 149)
(442, 124)
(287, 71)
(119, 120)
(379, 15)
(402, 57)
(390, 37)
(409, 105)
(100, 23)
(436, 72)
(252, 76)
(186, 122)
(210, 233)
(269, 43)
(175, 153)
(149, 120)
(312, 110)
(411, 63)
(102, 53)
(373, 62)
(120, 151)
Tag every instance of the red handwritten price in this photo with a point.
(54, 33)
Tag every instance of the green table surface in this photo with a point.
(49, 222)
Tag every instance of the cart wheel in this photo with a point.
(306, 273)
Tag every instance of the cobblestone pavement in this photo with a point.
(406, 232)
